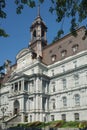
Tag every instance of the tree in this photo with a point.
(62, 8)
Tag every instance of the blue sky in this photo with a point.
(18, 27)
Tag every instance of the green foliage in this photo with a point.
(74, 9)
(83, 124)
(21, 125)
(55, 124)
(3, 33)
(59, 124)
(34, 124)
(70, 124)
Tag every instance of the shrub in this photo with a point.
(34, 124)
(59, 123)
(71, 124)
(83, 124)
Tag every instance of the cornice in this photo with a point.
(68, 59)
(69, 71)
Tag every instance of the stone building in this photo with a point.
(48, 81)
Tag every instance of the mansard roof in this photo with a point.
(65, 45)
(57, 51)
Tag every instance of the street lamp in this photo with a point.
(3, 109)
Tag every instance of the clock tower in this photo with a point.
(38, 31)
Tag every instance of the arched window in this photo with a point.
(75, 48)
(63, 53)
(53, 58)
(64, 101)
(16, 107)
(34, 33)
(77, 99)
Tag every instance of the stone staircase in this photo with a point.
(13, 121)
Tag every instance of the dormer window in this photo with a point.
(63, 53)
(53, 58)
(75, 48)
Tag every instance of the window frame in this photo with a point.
(64, 99)
(77, 99)
(76, 116)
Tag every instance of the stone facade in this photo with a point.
(48, 82)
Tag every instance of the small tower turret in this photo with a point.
(38, 31)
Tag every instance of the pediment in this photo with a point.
(22, 53)
(14, 76)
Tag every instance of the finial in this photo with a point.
(38, 9)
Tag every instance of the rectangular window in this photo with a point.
(19, 85)
(52, 117)
(64, 83)
(64, 101)
(26, 119)
(43, 103)
(53, 105)
(26, 85)
(53, 86)
(76, 116)
(30, 118)
(16, 86)
(63, 117)
(77, 100)
(76, 78)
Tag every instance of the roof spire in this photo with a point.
(38, 9)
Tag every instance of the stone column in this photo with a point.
(13, 87)
(37, 80)
(22, 85)
(40, 103)
(22, 109)
(36, 102)
(18, 85)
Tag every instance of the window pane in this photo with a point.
(64, 117)
(64, 101)
(64, 83)
(77, 99)
(52, 117)
(76, 115)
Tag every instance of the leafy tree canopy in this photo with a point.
(62, 8)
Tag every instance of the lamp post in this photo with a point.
(3, 109)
